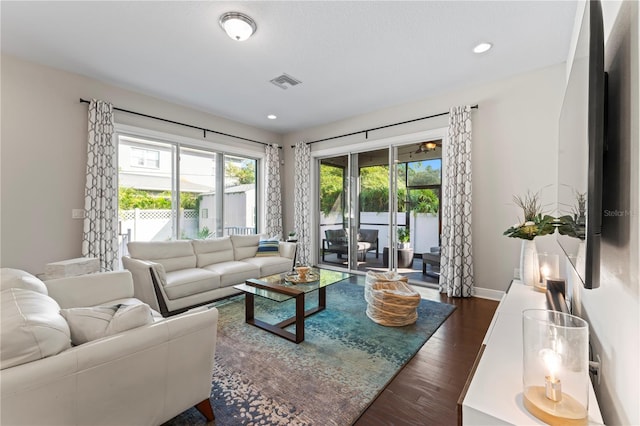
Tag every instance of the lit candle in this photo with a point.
(545, 271)
(553, 388)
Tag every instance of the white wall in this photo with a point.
(515, 132)
(44, 137)
(613, 309)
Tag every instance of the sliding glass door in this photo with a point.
(379, 209)
(333, 226)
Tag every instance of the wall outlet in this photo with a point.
(516, 273)
(77, 213)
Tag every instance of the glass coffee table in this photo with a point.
(283, 287)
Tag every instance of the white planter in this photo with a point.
(529, 267)
(404, 245)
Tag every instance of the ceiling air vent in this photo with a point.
(283, 80)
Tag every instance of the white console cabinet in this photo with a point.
(494, 388)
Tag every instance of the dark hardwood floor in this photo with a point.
(426, 390)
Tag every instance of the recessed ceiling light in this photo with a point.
(237, 25)
(272, 116)
(482, 47)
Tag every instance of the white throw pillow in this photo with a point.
(31, 327)
(95, 322)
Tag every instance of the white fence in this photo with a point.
(156, 225)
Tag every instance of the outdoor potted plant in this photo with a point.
(403, 238)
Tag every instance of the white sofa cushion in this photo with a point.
(271, 265)
(187, 282)
(234, 272)
(31, 327)
(244, 246)
(213, 250)
(16, 278)
(91, 323)
(173, 255)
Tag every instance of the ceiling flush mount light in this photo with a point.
(482, 47)
(426, 147)
(430, 146)
(237, 25)
(272, 116)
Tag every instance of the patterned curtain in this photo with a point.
(456, 270)
(302, 193)
(100, 235)
(274, 197)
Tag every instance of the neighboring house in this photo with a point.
(146, 166)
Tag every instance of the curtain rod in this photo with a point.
(183, 124)
(366, 132)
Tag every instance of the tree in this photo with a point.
(374, 189)
(240, 174)
(331, 188)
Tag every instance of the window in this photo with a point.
(145, 158)
(169, 191)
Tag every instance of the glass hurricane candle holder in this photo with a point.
(555, 366)
(549, 268)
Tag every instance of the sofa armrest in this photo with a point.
(91, 289)
(142, 282)
(146, 375)
(287, 249)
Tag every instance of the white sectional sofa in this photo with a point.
(172, 276)
(134, 375)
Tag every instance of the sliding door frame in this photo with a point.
(352, 150)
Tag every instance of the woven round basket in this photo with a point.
(392, 303)
(376, 277)
(390, 320)
(384, 276)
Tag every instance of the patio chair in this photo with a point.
(369, 236)
(337, 241)
(433, 260)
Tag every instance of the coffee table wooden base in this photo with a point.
(298, 319)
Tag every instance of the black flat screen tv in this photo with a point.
(581, 151)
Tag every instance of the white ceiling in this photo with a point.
(352, 57)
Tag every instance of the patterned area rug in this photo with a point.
(345, 361)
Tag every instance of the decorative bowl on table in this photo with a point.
(302, 271)
(302, 274)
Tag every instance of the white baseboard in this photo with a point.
(488, 293)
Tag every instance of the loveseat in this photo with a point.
(133, 375)
(172, 276)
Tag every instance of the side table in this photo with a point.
(405, 257)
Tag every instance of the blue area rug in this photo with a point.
(345, 361)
